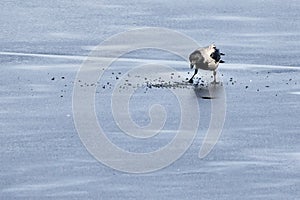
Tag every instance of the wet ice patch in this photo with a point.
(40, 55)
(296, 92)
(65, 35)
(235, 18)
(47, 186)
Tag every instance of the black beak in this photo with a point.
(222, 54)
(222, 61)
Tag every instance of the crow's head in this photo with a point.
(216, 54)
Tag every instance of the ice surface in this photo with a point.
(42, 45)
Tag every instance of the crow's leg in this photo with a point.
(215, 78)
(191, 80)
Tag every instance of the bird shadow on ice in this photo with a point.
(203, 91)
(211, 91)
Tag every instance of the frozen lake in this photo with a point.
(43, 45)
